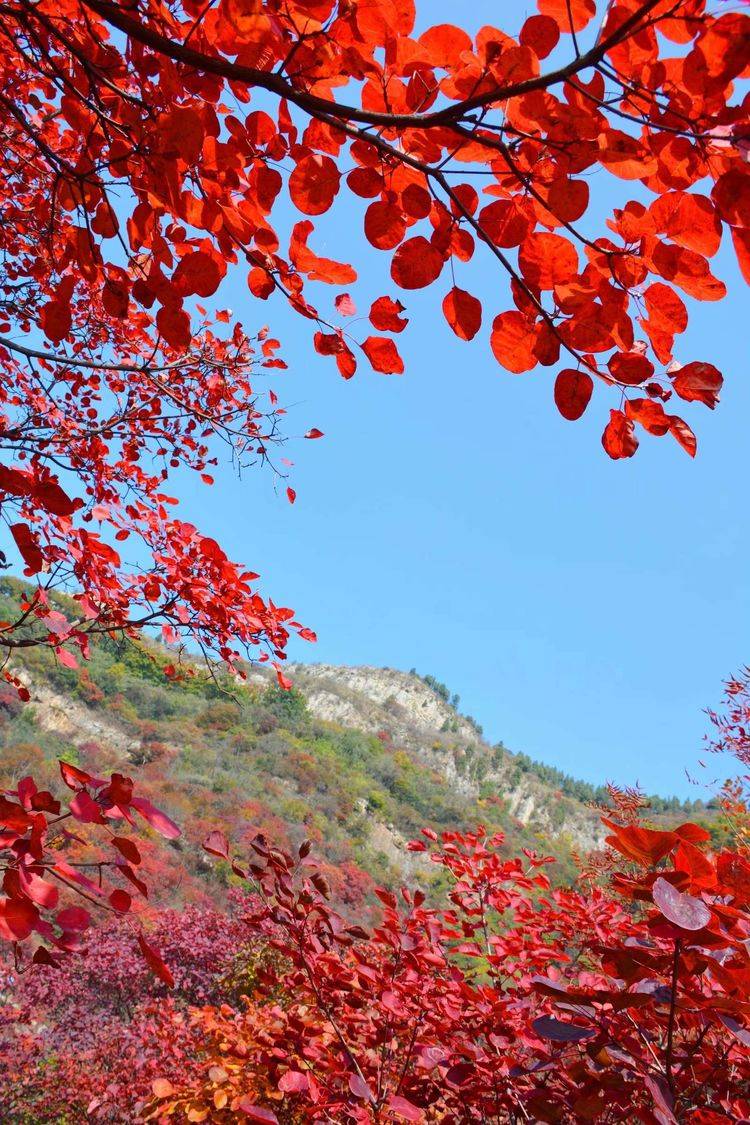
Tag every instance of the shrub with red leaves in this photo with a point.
(87, 1040)
(507, 1002)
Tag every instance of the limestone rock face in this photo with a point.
(75, 723)
(401, 706)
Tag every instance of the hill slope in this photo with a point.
(358, 759)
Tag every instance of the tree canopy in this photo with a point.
(151, 146)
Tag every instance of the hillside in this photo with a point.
(358, 759)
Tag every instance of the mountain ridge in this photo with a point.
(358, 758)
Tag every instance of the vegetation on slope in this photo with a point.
(252, 757)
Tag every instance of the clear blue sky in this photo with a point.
(585, 610)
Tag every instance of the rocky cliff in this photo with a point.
(411, 714)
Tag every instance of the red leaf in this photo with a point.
(345, 305)
(416, 263)
(741, 240)
(404, 1108)
(568, 199)
(293, 1082)
(512, 342)
(314, 433)
(385, 226)
(155, 962)
(174, 325)
(644, 845)
(162, 1088)
(28, 545)
(541, 33)
(314, 184)
(181, 133)
(547, 260)
(120, 901)
(15, 481)
(734, 875)
(648, 414)
(693, 862)
(630, 368)
(131, 876)
(504, 223)
(54, 499)
(217, 844)
(291, 495)
(682, 910)
(383, 355)
(315, 267)
(73, 919)
(41, 892)
(549, 1028)
(284, 681)
(445, 44)
(66, 658)
(573, 391)
(359, 1088)
(18, 917)
(56, 320)
(693, 833)
(624, 156)
(199, 273)
(257, 1112)
(463, 312)
(260, 283)
(43, 956)
(85, 809)
(156, 818)
(75, 779)
(385, 315)
(682, 433)
(127, 849)
(698, 382)
(618, 438)
(569, 15)
(13, 816)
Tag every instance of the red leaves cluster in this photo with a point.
(87, 1040)
(41, 876)
(568, 1003)
(621, 1001)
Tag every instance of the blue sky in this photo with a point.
(586, 611)
(450, 520)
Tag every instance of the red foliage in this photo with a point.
(48, 864)
(134, 175)
(732, 736)
(508, 1002)
(137, 171)
(87, 1041)
(732, 723)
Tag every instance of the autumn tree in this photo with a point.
(149, 147)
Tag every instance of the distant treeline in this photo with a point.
(570, 786)
(453, 699)
(595, 794)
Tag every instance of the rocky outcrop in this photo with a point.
(75, 723)
(402, 707)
